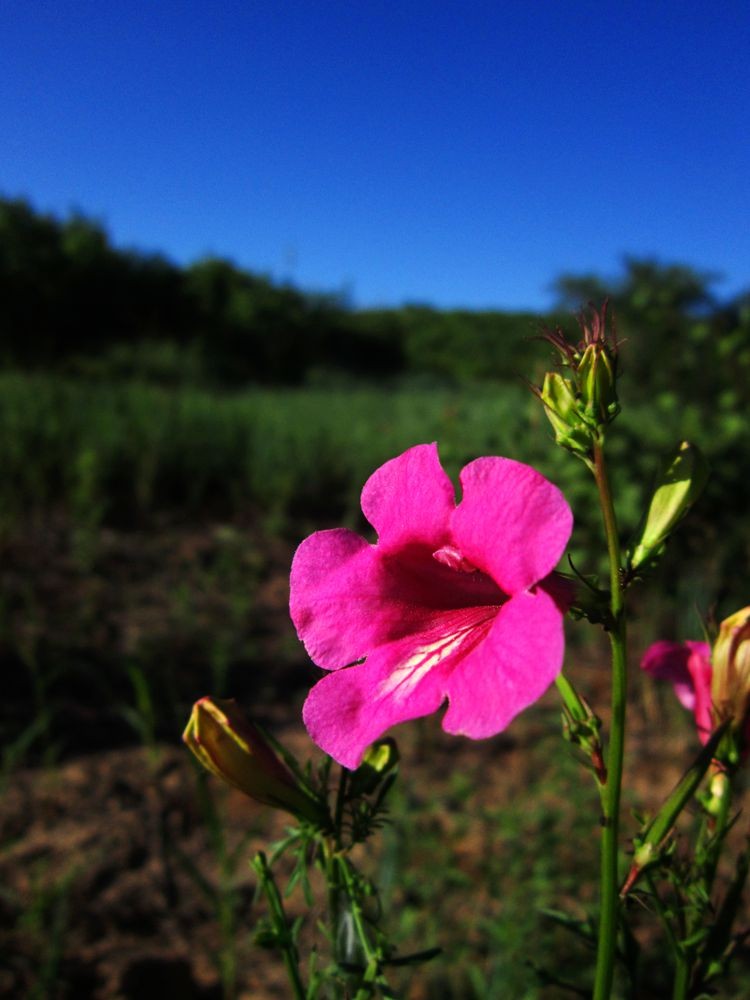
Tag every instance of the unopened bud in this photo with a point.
(229, 745)
(718, 789)
(596, 377)
(379, 760)
(562, 409)
(680, 483)
(730, 682)
(582, 726)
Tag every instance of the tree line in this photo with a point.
(74, 302)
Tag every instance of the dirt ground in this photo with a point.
(109, 862)
(100, 854)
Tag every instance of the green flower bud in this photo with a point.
(562, 409)
(234, 749)
(681, 481)
(596, 378)
(582, 726)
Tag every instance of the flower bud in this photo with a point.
(581, 406)
(730, 684)
(596, 377)
(379, 760)
(581, 726)
(230, 746)
(680, 483)
(561, 406)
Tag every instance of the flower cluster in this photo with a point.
(454, 601)
(581, 400)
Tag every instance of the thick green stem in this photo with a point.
(609, 891)
(681, 977)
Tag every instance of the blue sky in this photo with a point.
(459, 153)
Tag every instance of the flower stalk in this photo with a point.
(609, 885)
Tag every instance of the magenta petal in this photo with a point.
(334, 602)
(514, 666)
(512, 522)
(701, 671)
(409, 500)
(668, 661)
(350, 709)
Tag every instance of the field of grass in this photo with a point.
(146, 535)
(120, 454)
(116, 452)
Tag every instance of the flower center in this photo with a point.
(453, 635)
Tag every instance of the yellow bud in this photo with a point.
(229, 745)
(379, 760)
(730, 681)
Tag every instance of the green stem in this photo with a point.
(280, 925)
(609, 891)
(710, 842)
(373, 955)
(681, 963)
(681, 976)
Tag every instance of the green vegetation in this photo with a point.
(120, 453)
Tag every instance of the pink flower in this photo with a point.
(455, 601)
(688, 666)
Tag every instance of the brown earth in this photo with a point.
(110, 866)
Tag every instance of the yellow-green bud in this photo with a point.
(730, 679)
(562, 409)
(379, 759)
(718, 789)
(230, 746)
(681, 481)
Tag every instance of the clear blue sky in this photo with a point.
(460, 153)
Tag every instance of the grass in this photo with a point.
(127, 449)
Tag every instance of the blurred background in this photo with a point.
(248, 252)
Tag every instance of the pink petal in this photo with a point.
(348, 710)
(409, 500)
(701, 671)
(512, 522)
(668, 661)
(514, 666)
(333, 597)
